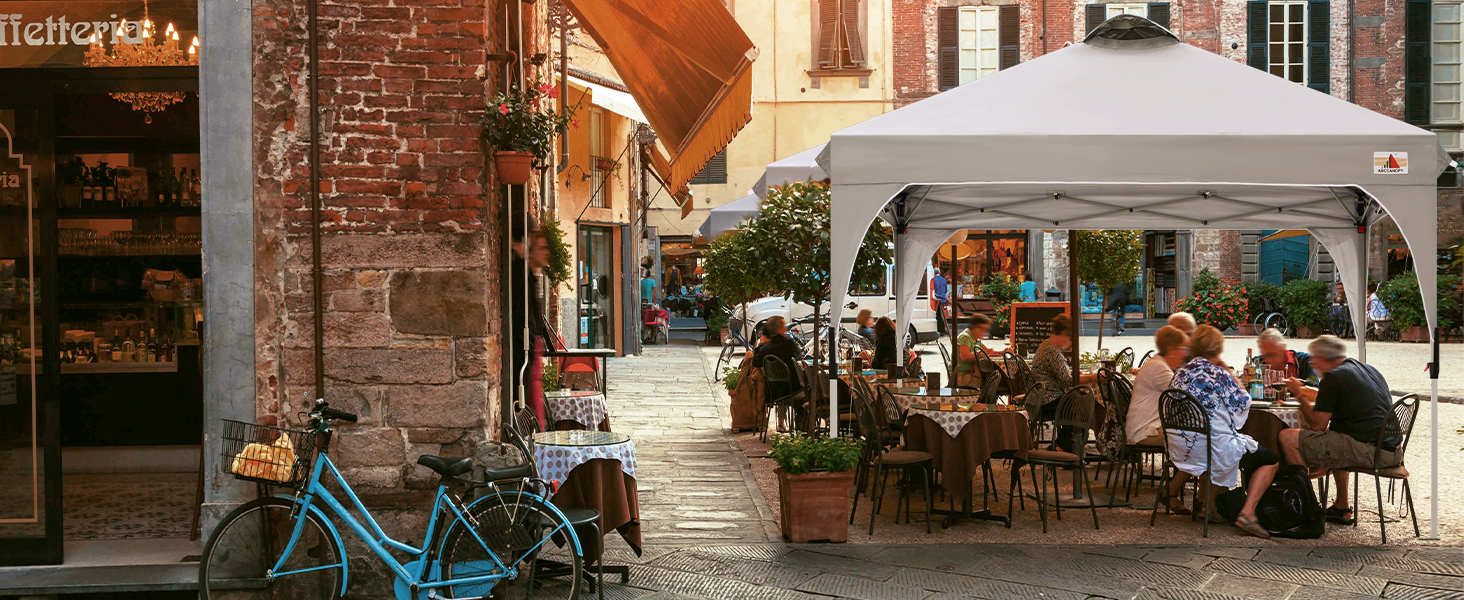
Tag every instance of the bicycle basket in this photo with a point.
(269, 455)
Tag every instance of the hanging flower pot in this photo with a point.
(604, 164)
(514, 168)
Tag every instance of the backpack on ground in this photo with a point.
(1288, 509)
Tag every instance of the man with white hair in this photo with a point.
(1272, 346)
(1344, 414)
(1184, 322)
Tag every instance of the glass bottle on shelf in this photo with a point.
(109, 189)
(196, 185)
(165, 350)
(117, 347)
(88, 189)
(104, 350)
(158, 194)
(152, 346)
(129, 350)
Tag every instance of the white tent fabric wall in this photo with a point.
(799, 167)
(729, 216)
(1132, 129)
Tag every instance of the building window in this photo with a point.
(598, 194)
(1286, 54)
(1445, 87)
(838, 35)
(1096, 14)
(980, 43)
(714, 173)
(1136, 9)
(976, 41)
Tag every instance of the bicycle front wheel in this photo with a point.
(522, 531)
(1278, 322)
(249, 542)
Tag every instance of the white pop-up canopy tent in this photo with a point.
(1132, 129)
(729, 216)
(799, 167)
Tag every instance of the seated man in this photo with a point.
(1273, 350)
(1344, 415)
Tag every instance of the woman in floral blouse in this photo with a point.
(1050, 367)
(1208, 380)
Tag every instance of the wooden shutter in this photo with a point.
(714, 172)
(1097, 14)
(849, 15)
(1257, 32)
(948, 38)
(1009, 32)
(1318, 42)
(1159, 13)
(828, 32)
(1416, 60)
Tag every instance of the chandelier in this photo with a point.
(145, 53)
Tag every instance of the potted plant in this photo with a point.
(1216, 304)
(1305, 303)
(1257, 295)
(730, 376)
(1405, 304)
(1003, 291)
(814, 478)
(520, 125)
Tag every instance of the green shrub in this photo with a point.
(1306, 302)
(799, 453)
(1256, 295)
(1206, 281)
(1003, 290)
(1405, 303)
(730, 375)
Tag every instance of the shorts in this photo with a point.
(1262, 457)
(1333, 450)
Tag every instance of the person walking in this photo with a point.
(1118, 303)
(940, 288)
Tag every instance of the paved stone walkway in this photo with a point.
(695, 486)
(942, 572)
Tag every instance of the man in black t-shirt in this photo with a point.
(1345, 413)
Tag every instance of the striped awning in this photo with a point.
(687, 63)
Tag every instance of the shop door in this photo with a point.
(596, 287)
(30, 456)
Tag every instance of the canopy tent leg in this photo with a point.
(1362, 293)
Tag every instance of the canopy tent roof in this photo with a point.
(689, 66)
(1132, 129)
(802, 166)
(729, 216)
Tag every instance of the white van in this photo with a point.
(879, 298)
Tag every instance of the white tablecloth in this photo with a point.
(587, 409)
(555, 462)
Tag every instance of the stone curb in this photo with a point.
(1425, 396)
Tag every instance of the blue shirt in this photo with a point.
(1029, 291)
(940, 288)
(648, 287)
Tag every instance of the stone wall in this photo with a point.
(1218, 251)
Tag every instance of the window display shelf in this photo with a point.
(105, 368)
(128, 213)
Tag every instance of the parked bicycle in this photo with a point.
(1271, 318)
(285, 546)
(735, 342)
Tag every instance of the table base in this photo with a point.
(544, 569)
(953, 517)
(1068, 501)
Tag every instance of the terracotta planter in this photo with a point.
(1307, 333)
(514, 168)
(1415, 334)
(1247, 328)
(815, 506)
(604, 164)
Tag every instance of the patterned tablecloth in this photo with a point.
(584, 407)
(1290, 416)
(953, 421)
(555, 461)
(910, 396)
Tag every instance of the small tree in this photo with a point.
(730, 274)
(1002, 290)
(789, 245)
(1106, 258)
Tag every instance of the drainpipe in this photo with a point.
(563, 88)
(316, 276)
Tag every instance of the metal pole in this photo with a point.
(1075, 331)
(1433, 441)
(951, 329)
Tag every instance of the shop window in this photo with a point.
(976, 41)
(838, 35)
(714, 173)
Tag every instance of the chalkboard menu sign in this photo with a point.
(1032, 323)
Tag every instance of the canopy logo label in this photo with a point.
(1390, 163)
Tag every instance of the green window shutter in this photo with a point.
(948, 34)
(1257, 27)
(1097, 14)
(1318, 43)
(1009, 30)
(1159, 13)
(715, 172)
(1416, 60)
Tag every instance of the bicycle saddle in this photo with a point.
(446, 467)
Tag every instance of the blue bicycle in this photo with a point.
(285, 546)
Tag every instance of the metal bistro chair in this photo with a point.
(1179, 411)
(778, 392)
(585, 521)
(884, 460)
(1124, 361)
(1399, 426)
(1075, 412)
(1017, 373)
(992, 378)
(1145, 358)
(945, 357)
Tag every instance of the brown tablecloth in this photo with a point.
(602, 485)
(566, 425)
(957, 458)
(1265, 427)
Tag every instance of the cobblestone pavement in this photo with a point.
(947, 572)
(695, 485)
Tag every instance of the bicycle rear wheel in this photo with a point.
(521, 530)
(250, 540)
(1278, 322)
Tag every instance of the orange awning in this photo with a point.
(689, 66)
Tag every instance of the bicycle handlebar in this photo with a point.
(339, 415)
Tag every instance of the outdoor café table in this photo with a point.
(576, 409)
(907, 396)
(595, 469)
(962, 437)
(1266, 420)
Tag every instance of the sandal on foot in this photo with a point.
(1252, 526)
(1340, 516)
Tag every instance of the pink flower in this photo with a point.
(574, 123)
(545, 88)
(503, 108)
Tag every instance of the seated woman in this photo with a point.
(967, 345)
(1227, 404)
(1050, 367)
(884, 344)
(865, 324)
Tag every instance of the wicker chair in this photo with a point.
(1179, 411)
